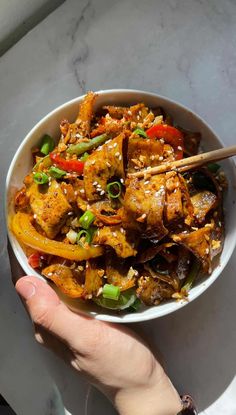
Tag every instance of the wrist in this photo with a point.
(159, 398)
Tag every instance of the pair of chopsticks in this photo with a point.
(188, 163)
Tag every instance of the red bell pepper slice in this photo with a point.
(34, 260)
(171, 136)
(67, 165)
(37, 259)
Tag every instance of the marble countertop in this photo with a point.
(184, 49)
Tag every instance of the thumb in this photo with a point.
(47, 311)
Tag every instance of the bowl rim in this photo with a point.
(132, 317)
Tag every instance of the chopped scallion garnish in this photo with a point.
(87, 219)
(114, 190)
(47, 144)
(84, 236)
(56, 172)
(41, 178)
(213, 167)
(84, 156)
(111, 291)
(141, 132)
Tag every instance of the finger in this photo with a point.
(48, 312)
(53, 343)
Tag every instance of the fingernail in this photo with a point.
(26, 289)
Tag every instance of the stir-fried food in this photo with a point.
(103, 235)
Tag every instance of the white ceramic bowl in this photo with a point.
(22, 163)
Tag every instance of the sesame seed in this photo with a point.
(117, 154)
(114, 234)
(95, 183)
(82, 190)
(49, 274)
(152, 157)
(122, 230)
(207, 250)
(147, 182)
(35, 216)
(129, 112)
(65, 191)
(80, 268)
(115, 145)
(161, 158)
(162, 140)
(120, 157)
(147, 191)
(122, 181)
(108, 164)
(75, 192)
(102, 192)
(93, 162)
(179, 148)
(70, 213)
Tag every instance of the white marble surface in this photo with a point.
(184, 49)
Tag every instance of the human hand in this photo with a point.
(111, 356)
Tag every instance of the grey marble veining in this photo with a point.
(184, 49)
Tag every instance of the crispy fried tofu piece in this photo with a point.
(144, 202)
(198, 242)
(143, 153)
(119, 272)
(93, 278)
(50, 207)
(101, 165)
(85, 115)
(152, 291)
(113, 237)
(203, 202)
(65, 279)
(173, 206)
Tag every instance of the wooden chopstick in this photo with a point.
(188, 163)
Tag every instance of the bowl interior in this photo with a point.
(22, 163)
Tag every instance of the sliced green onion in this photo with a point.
(213, 167)
(45, 160)
(111, 291)
(141, 132)
(86, 219)
(125, 301)
(81, 148)
(84, 156)
(41, 178)
(56, 172)
(191, 276)
(84, 236)
(114, 190)
(47, 144)
(133, 308)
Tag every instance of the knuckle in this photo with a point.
(94, 341)
(43, 318)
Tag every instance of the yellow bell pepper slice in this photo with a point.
(25, 232)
